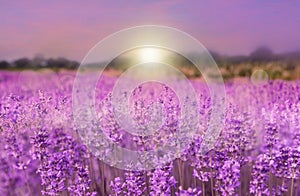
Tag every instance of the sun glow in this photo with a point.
(147, 55)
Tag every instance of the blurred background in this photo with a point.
(241, 36)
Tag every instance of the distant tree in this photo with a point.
(262, 53)
(61, 63)
(50, 63)
(57, 63)
(22, 63)
(73, 65)
(4, 65)
(38, 61)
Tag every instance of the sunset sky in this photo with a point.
(70, 28)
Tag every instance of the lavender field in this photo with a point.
(42, 152)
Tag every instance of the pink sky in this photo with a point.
(70, 28)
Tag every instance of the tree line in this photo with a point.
(260, 55)
(39, 62)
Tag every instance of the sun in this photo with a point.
(147, 55)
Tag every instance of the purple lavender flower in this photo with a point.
(134, 183)
(162, 181)
(60, 158)
(257, 152)
(260, 175)
(189, 192)
(116, 187)
(228, 177)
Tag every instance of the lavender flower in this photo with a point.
(257, 152)
(116, 187)
(189, 192)
(229, 177)
(162, 181)
(260, 175)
